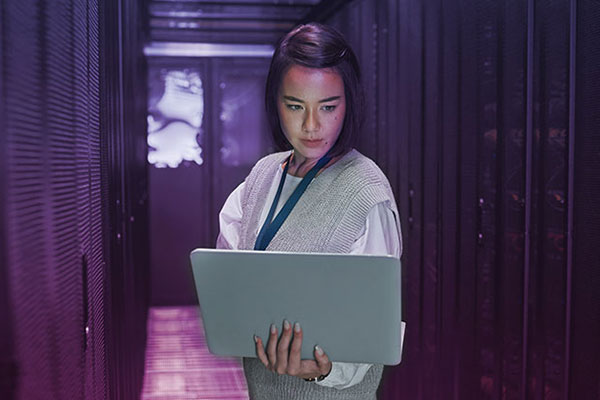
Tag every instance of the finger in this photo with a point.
(295, 351)
(260, 351)
(322, 361)
(308, 369)
(272, 347)
(283, 348)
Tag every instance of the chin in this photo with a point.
(313, 153)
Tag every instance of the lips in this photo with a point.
(312, 143)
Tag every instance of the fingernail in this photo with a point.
(255, 339)
(297, 327)
(319, 350)
(286, 324)
(273, 328)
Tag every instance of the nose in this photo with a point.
(311, 122)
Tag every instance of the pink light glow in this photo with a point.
(179, 365)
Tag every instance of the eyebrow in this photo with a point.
(292, 98)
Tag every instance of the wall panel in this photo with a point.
(46, 229)
(123, 143)
(483, 114)
(584, 365)
(57, 303)
(222, 123)
(24, 207)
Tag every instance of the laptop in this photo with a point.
(347, 304)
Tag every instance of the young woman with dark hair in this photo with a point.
(316, 46)
(340, 202)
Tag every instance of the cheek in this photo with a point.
(339, 120)
(281, 115)
(285, 122)
(341, 114)
(288, 125)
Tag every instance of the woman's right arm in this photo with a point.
(230, 219)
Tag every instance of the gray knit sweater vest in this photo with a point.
(327, 219)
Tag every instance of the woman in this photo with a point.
(317, 195)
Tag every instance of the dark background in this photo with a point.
(483, 114)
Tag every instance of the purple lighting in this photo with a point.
(178, 363)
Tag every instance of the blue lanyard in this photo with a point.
(269, 229)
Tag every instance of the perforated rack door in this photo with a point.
(51, 205)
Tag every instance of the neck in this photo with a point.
(300, 165)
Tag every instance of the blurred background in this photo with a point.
(125, 124)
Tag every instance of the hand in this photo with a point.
(285, 359)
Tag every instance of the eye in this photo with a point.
(294, 107)
(329, 108)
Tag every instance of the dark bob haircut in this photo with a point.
(317, 46)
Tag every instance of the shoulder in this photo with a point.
(359, 169)
(271, 159)
(263, 171)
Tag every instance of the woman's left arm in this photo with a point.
(380, 236)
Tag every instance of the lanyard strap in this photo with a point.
(269, 229)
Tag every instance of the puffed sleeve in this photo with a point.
(379, 236)
(230, 219)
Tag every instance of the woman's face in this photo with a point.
(311, 105)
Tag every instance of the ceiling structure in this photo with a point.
(232, 21)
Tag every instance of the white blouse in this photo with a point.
(379, 236)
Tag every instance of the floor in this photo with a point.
(179, 365)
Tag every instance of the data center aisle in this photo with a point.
(179, 365)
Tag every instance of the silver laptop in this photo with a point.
(347, 304)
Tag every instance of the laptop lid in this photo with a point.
(347, 304)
